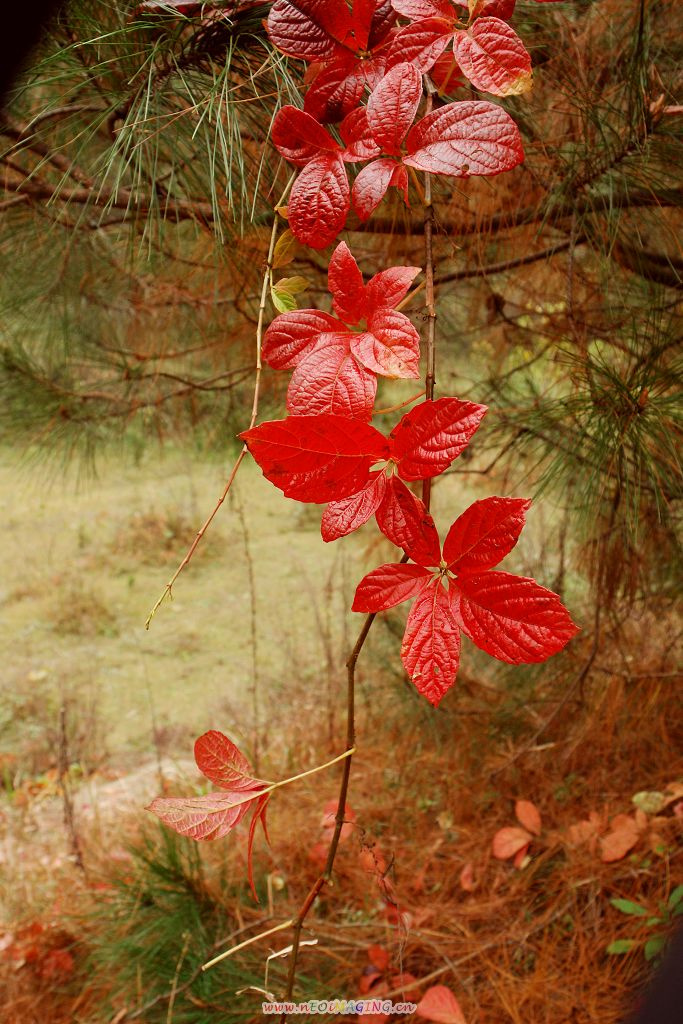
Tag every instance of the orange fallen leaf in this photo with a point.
(528, 814)
(440, 1005)
(622, 837)
(467, 878)
(508, 841)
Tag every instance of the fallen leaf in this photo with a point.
(528, 814)
(622, 837)
(508, 841)
(440, 1005)
(467, 878)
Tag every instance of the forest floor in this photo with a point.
(260, 619)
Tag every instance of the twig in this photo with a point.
(247, 942)
(63, 769)
(325, 877)
(168, 589)
(174, 986)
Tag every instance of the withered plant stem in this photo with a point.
(267, 277)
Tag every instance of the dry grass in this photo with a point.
(429, 791)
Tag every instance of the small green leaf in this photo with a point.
(621, 946)
(677, 911)
(676, 897)
(628, 907)
(652, 921)
(283, 301)
(654, 946)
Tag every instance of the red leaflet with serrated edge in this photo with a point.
(389, 287)
(316, 458)
(493, 57)
(484, 534)
(220, 761)
(428, 438)
(439, 1005)
(418, 10)
(345, 282)
(312, 30)
(513, 618)
(331, 380)
(423, 42)
(431, 644)
(343, 517)
(392, 106)
(319, 201)
(388, 586)
(390, 346)
(298, 137)
(371, 184)
(404, 520)
(292, 336)
(461, 139)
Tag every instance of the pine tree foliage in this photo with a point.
(137, 189)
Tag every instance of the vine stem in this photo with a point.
(430, 309)
(267, 280)
(325, 878)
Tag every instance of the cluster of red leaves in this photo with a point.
(459, 139)
(213, 815)
(41, 948)
(335, 360)
(512, 618)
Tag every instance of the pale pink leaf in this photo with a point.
(508, 841)
(527, 814)
(438, 1004)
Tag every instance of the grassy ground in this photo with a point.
(429, 789)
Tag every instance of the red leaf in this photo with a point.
(388, 586)
(509, 841)
(528, 814)
(345, 282)
(423, 43)
(440, 1005)
(319, 201)
(371, 184)
(316, 458)
(292, 336)
(493, 57)
(204, 817)
(298, 137)
(390, 346)
(495, 8)
(428, 438)
(418, 10)
(470, 137)
(404, 520)
(379, 957)
(220, 761)
(431, 644)
(357, 137)
(388, 287)
(336, 89)
(331, 380)
(445, 74)
(309, 29)
(466, 877)
(484, 534)
(343, 517)
(392, 106)
(512, 618)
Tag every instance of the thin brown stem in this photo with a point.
(267, 277)
(326, 875)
